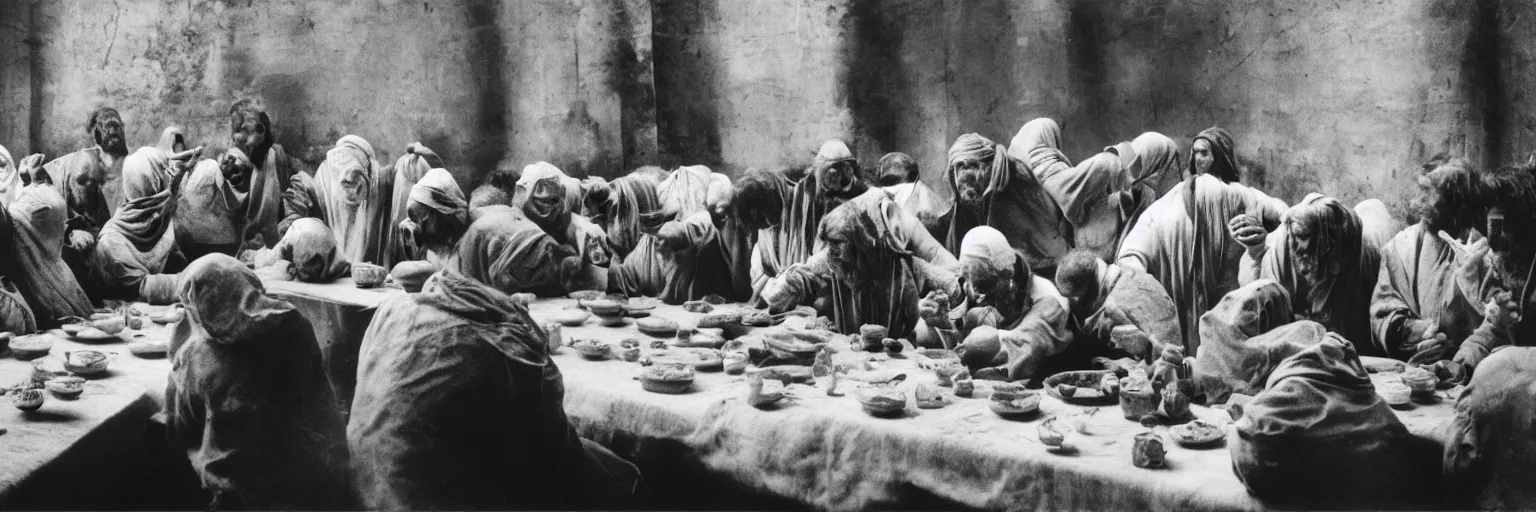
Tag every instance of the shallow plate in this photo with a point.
(1198, 433)
(92, 334)
(1087, 383)
(148, 348)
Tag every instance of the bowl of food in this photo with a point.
(368, 275)
(788, 346)
(32, 346)
(929, 396)
(719, 320)
(882, 401)
(85, 362)
(603, 307)
(1137, 396)
(671, 379)
(592, 349)
(571, 317)
(1198, 433)
(1014, 406)
(734, 362)
(47, 368)
(65, 387)
(656, 326)
(29, 399)
(1421, 383)
(584, 295)
(1080, 387)
(1396, 394)
(641, 307)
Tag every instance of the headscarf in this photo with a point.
(1038, 140)
(10, 178)
(409, 169)
(146, 216)
(1245, 337)
(987, 250)
(312, 254)
(1223, 152)
(542, 171)
(170, 138)
(884, 262)
(87, 210)
(693, 189)
(226, 300)
(628, 198)
(511, 254)
(361, 230)
(437, 190)
(803, 213)
(1487, 460)
(1014, 202)
(558, 218)
(49, 285)
(1156, 156)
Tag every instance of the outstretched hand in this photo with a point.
(1247, 230)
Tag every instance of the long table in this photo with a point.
(88, 452)
(824, 452)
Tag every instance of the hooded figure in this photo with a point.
(172, 140)
(38, 220)
(833, 180)
(437, 216)
(80, 178)
(139, 239)
(1319, 256)
(759, 201)
(15, 315)
(514, 255)
(409, 169)
(547, 201)
(1009, 322)
(1183, 241)
(1487, 461)
(991, 188)
(680, 258)
(350, 192)
(541, 172)
(1245, 337)
(248, 397)
(460, 407)
(1216, 157)
(627, 198)
(310, 253)
(10, 178)
(691, 190)
(871, 275)
(1319, 426)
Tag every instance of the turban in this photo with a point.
(437, 190)
(987, 245)
(1222, 151)
(973, 146)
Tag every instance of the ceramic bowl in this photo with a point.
(368, 275)
(670, 379)
(658, 327)
(582, 295)
(411, 275)
(47, 368)
(1053, 433)
(1079, 386)
(641, 307)
(571, 317)
(65, 387)
(1420, 382)
(603, 307)
(32, 346)
(85, 362)
(929, 396)
(882, 402)
(592, 349)
(698, 306)
(30, 400)
(1017, 406)
(735, 363)
(1198, 433)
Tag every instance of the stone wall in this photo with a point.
(1342, 97)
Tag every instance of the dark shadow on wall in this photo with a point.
(879, 94)
(488, 143)
(633, 77)
(687, 90)
(1484, 84)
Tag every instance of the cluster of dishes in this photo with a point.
(65, 377)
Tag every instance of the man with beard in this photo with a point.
(899, 177)
(1492, 289)
(1109, 301)
(993, 189)
(86, 178)
(1320, 256)
(1418, 267)
(870, 275)
(251, 131)
(1010, 323)
(833, 180)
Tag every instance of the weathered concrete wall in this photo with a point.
(1345, 97)
(479, 81)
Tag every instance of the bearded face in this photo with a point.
(1309, 254)
(843, 253)
(971, 179)
(250, 134)
(107, 130)
(354, 184)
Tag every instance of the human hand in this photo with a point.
(934, 309)
(29, 167)
(183, 161)
(776, 294)
(1247, 230)
(81, 240)
(1132, 340)
(1501, 311)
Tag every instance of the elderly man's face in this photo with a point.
(237, 169)
(354, 183)
(108, 133)
(840, 177)
(87, 184)
(1201, 154)
(986, 286)
(1306, 251)
(251, 136)
(971, 179)
(843, 254)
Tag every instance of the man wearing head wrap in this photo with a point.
(994, 189)
(514, 255)
(133, 249)
(1102, 196)
(1009, 321)
(1106, 299)
(1245, 337)
(37, 237)
(870, 274)
(1492, 289)
(621, 205)
(87, 179)
(899, 177)
(350, 193)
(172, 140)
(1487, 462)
(1213, 152)
(833, 180)
(459, 406)
(1319, 256)
(1418, 266)
(248, 397)
(436, 217)
(540, 172)
(682, 255)
(409, 169)
(1183, 241)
